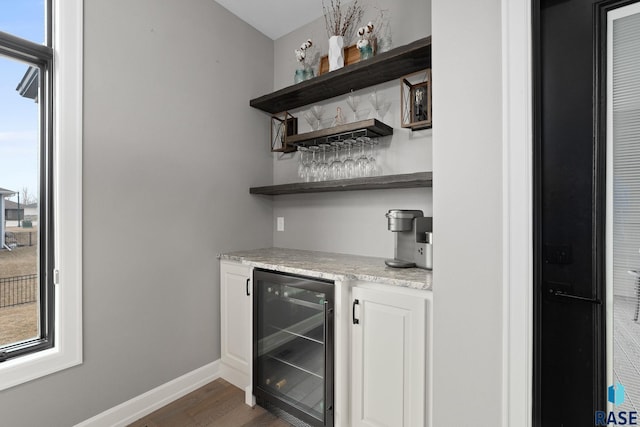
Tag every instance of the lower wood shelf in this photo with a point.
(408, 180)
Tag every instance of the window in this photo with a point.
(26, 271)
(40, 208)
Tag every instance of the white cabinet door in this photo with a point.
(389, 367)
(235, 323)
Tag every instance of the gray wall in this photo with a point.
(163, 89)
(170, 150)
(354, 222)
(467, 208)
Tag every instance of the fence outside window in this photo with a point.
(13, 239)
(18, 290)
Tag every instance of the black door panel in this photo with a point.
(569, 379)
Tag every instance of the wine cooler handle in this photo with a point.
(324, 333)
(353, 311)
(247, 288)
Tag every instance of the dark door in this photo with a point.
(569, 341)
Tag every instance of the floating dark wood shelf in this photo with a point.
(408, 180)
(379, 69)
(370, 127)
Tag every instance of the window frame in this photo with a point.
(64, 203)
(40, 57)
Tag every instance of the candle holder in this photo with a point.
(415, 93)
(283, 125)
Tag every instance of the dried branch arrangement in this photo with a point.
(339, 22)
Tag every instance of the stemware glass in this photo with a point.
(362, 160)
(311, 119)
(379, 104)
(353, 101)
(373, 167)
(384, 108)
(349, 164)
(313, 164)
(375, 99)
(323, 166)
(302, 161)
(335, 168)
(317, 111)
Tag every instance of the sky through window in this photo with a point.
(19, 115)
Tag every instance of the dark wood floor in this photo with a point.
(216, 404)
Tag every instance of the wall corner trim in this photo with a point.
(144, 404)
(517, 304)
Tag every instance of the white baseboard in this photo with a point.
(136, 408)
(235, 377)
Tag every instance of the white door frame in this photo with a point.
(612, 15)
(517, 138)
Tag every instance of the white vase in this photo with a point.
(336, 52)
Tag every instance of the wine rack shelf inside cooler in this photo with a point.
(280, 335)
(301, 297)
(315, 335)
(295, 386)
(302, 354)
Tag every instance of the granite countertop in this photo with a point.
(332, 266)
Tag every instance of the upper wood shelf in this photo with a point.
(381, 68)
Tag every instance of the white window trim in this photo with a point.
(67, 351)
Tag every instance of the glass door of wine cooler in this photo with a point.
(293, 346)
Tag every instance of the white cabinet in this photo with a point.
(382, 363)
(235, 323)
(389, 366)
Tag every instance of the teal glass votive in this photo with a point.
(299, 76)
(308, 73)
(366, 52)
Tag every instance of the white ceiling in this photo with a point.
(274, 18)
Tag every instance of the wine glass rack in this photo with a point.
(372, 128)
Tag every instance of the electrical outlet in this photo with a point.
(280, 223)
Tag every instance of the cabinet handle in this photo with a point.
(353, 311)
(247, 288)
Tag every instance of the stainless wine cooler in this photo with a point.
(293, 347)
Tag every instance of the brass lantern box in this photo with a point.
(283, 126)
(415, 96)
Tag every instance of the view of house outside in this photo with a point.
(19, 169)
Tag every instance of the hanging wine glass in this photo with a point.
(313, 164)
(323, 166)
(349, 164)
(336, 168)
(302, 160)
(373, 167)
(362, 160)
